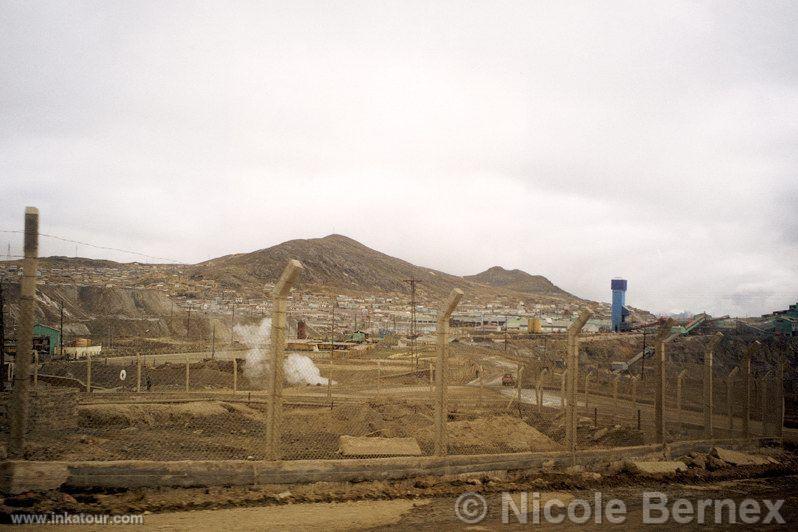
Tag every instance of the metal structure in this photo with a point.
(413, 333)
(619, 310)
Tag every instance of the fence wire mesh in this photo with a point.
(348, 401)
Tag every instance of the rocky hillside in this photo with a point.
(517, 281)
(341, 263)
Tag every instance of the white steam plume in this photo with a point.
(298, 369)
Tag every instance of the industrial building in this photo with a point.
(619, 310)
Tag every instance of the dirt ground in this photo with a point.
(415, 503)
(229, 430)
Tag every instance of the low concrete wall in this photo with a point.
(19, 476)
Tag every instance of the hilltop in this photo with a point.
(339, 262)
(518, 281)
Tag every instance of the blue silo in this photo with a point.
(619, 311)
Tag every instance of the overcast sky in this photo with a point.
(656, 141)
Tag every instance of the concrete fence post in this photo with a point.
(481, 385)
(379, 378)
(35, 369)
(20, 406)
(763, 398)
(539, 389)
(615, 383)
(188, 378)
(274, 410)
(746, 371)
(659, 399)
(709, 385)
(138, 372)
(587, 396)
(441, 410)
(679, 382)
(519, 373)
(573, 376)
(235, 375)
(729, 390)
(88, 372)
(780, 396)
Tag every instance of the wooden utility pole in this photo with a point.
(275, 407)
(332, 350)
(20, 407)
(232, 323)
(61, 331)
(441, 409)
(213, 342)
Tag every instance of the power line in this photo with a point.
(96, 246)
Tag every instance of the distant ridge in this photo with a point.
(517, 281)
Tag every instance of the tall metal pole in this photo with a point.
(442, 330)
(21, 392)
(572, 376)
(275, 406)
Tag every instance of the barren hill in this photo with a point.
(339, 262)
(517, 281)
(334, 261)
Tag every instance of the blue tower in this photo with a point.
(619, 310)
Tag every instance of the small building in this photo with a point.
(46, 339)
(358, 337)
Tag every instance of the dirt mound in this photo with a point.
(493, 434)
(151, 415)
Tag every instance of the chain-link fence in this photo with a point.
(372, 401)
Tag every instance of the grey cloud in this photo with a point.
(653, 141)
